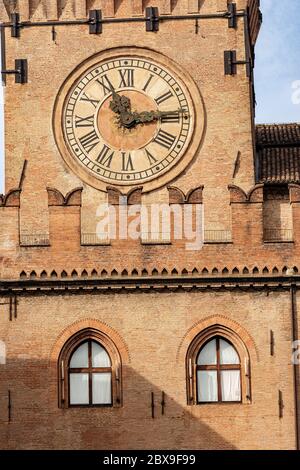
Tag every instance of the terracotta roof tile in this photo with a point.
(277, 134)
(278, 153)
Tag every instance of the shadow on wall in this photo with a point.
(36, 422)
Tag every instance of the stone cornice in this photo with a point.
(145, 284)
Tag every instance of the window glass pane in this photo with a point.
(100, 358)
(228, 354)
(208, 355)
(79, 389)
(80, 356)
(207, 386)
(102, 388)
(231, 385)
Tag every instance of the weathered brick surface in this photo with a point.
(151, 333)
(152, 330)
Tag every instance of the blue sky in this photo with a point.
(277, 66)
(278, 61)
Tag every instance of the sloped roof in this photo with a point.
(278, 153)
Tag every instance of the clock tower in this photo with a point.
(116, 109)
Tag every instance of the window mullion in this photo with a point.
(219, 370)
(90, 372)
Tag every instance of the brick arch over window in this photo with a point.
(211, 321)
(218, 333)
(89, 337)
(79, 325)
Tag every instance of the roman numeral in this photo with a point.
(84, 122)
(164, 97)
(106, 84)
(170, 118)
(94, 102)
(89, 141)
(127, 78)
(127, 164)
(148, 82)
(165, 139)
(104, 157)
(152, 160)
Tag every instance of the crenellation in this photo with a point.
(66, 10)
(80, 9)
(5, 10)
(168, 7)
(137, 8)
(24, 10)
(38, 10)
(247, 218)
(108, 7)
(193, 6)
(52, 12)
(165, 7)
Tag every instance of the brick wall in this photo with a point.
(154, 327)
(153, 324)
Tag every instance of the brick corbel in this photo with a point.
(134, 197)
(239, 196)
(11, 199)
(193, 196)
(56, 198)
(115, 196)
(294, 193)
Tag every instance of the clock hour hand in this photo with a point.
(120, 104)
(127, 120)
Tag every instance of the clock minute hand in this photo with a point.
(150, 116)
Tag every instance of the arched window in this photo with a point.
(89, 371)
(218, 368)
(90, 375)
(218, 372)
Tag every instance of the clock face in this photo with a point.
(126, 120)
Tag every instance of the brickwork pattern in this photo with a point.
(41, 226)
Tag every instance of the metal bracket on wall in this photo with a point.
(20, 71)
(280, 404)
(95, 21)
(163, 403)
(230, 63)
(152, 406)
(152, 19)
(272, 342)
(232, 15)
(9, 406)
(12, 303)
(15, 25)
